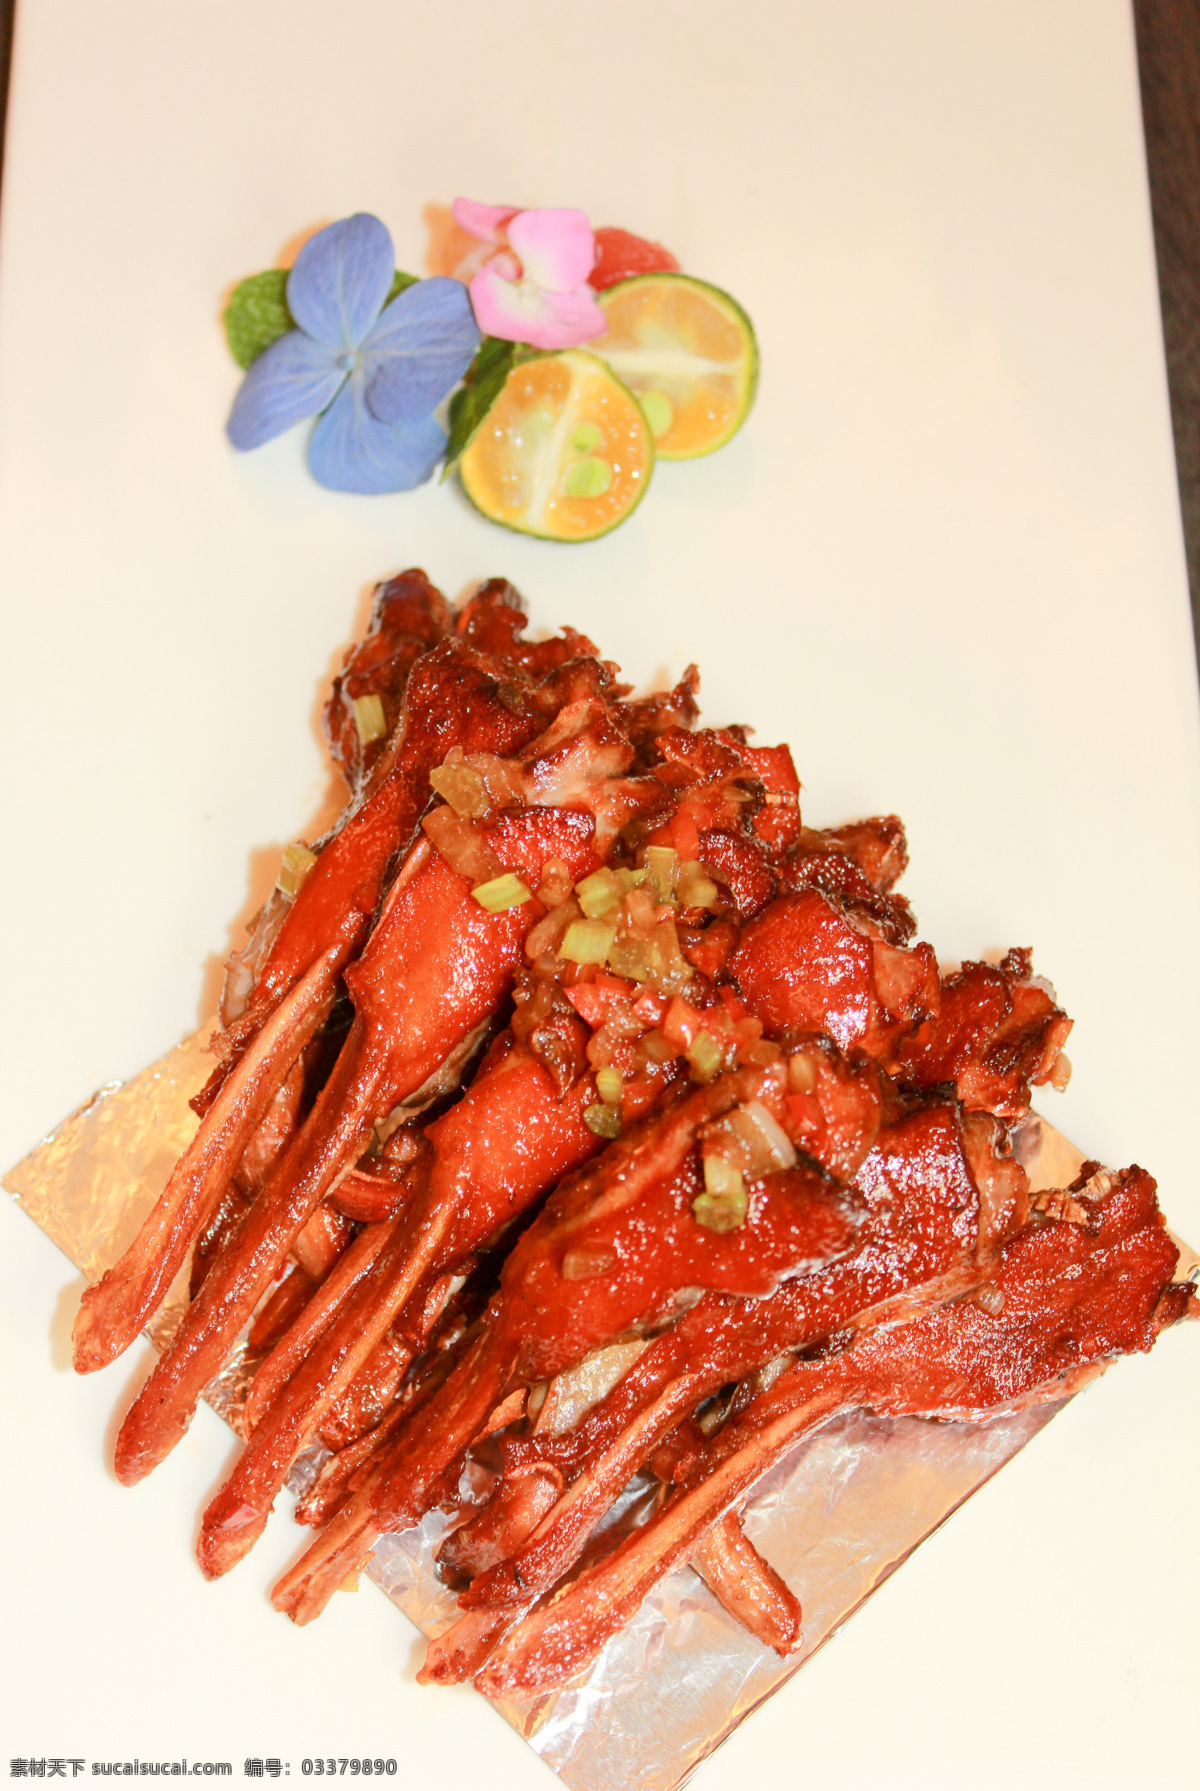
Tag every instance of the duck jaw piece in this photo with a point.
(748, 1587)
(452, 695)
(409, 615)
(457, 1412)
(456, 697)
(499, 1149)
(998, 1030)
(513, 1512)
(118, 1307)
(938, 1204)
(620, 1244)
(627, 1222)
(1062, 1301)
(314, 1320)
(633, 1203)
(437, 966)
(808, 963)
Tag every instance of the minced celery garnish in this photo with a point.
(704, 1055)
(297, 862)
(604, 1120)
(694, 887)
(724, 1202)
(720, 1212)
(369, 718)
(587, 941)
(604, 891)
(609, 1083)
(505, 891)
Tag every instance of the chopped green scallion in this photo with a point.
(704, 1055)
(599, 894)
(369, 718)
(587, 941)
(604, 1120)
(506, 891)
(297, 862)
(609, 1083)
(720, 1212)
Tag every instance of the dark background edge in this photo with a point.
(1168, 46)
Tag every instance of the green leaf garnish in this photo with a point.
(481, 387)
(257, 314)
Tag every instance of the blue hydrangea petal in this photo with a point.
(351, 450)
(420, 348)
(340, 280)
(292, 379)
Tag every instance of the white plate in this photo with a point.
(943, 560)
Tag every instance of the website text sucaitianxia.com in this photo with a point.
(254, 1767)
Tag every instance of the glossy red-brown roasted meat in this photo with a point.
(997, 1030)
(584, 1112)
(1062, 1300)
(437, 967)
(409, 615)
(480, 689)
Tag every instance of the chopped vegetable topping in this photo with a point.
(297, 862)
(802, 1076)
(695, 888)
(704, 1054)
(766, 1143)
(609, 1083)
(662, 862)
(602, 1119)
(722, 1177)
(502, 892)
(369, 718)
(460, 844)
(720, 1212)
(604, 891)
(555, 887)
(460, 785)
(587, 941)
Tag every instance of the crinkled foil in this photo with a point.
(836, 1517)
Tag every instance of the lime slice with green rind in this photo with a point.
(565, 452)
(688, 352)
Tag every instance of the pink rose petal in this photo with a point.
(556, 246)
(484, 222)
(519, 311)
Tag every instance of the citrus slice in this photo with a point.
(565, 451)
(689, 353)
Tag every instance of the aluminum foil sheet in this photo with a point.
(836, 1517)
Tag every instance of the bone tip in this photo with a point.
(130, 1464)
(290, 1601)
(91, 1348)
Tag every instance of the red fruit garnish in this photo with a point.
(620, 255)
